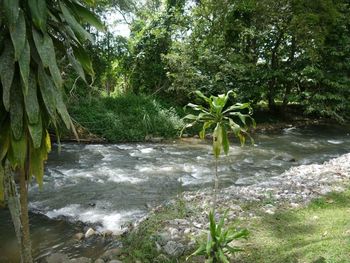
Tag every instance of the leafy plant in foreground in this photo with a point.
(224, 119)
(34, 36)
(218, 245)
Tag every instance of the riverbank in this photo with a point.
(170, 232)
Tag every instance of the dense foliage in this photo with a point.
(274, 52)
(127, 118)
(34, 37)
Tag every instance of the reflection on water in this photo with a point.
(109, 185)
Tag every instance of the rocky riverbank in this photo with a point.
(174, 234)
(293, 189)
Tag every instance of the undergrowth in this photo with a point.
(126, 118)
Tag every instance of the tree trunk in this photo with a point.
(18, 207)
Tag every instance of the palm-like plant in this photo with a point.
(34, 36)
(224, 119)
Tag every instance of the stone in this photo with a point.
(115, 261)
(90, 232)
(99, 260)
(163, 238)
(187, 231)
(174, 249)
(57, 258)
(111, 254)
(79, 236)
(107, 233)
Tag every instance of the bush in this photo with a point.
(126, 118)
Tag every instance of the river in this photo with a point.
(108, 185)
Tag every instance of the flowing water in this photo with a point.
(112, 184)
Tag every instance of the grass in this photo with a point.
(318, 233)
(126, 118)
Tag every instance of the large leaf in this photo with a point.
(39, 12)
(4, 140)
(46, 50)
(217, 140)
(225, 141)
(11, 10)
(7, 71)
(18, 35)
(16, 110)
(18, 152)
(36, 132)
(77, 66)
(24, 65)
(74, 24)
(84, 59)
(88, 16)
(48, 92)
(31, 100)
(62, 110)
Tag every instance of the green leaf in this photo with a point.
(47, 92)
(18, 35)
(89, 17)
(24, 64)
(47, 54)
(39, 12)
(7, 71)
(62, 110)
(84, 59)
(217, 140)
(77, 66)
(77, 28)
(199, 251)
(18, 152)
(225, 141)
(212, 226)
(4, 141)
(222, 256)
(206, 125)
(11, 10)
(36, 132)
(202, 96)
(16, 110)
(31, 100)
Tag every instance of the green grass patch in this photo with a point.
(318, 233)
(126, 118)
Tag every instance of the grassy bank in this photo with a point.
(317, 233)
(126, 118)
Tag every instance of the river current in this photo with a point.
(109, 185)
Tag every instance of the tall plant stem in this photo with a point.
(216, 185)
(25, 242)
(18, 207)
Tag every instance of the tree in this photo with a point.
(34, 35)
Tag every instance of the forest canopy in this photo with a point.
(270, 52)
